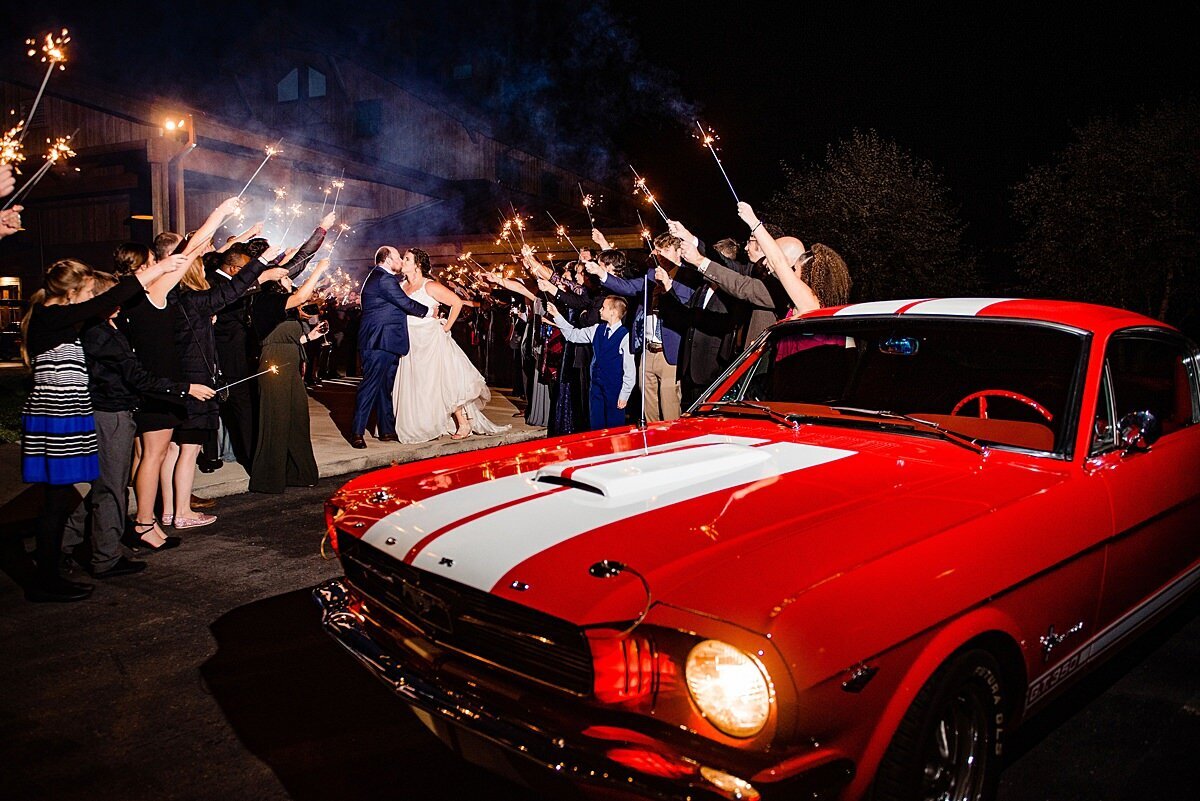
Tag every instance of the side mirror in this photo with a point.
(1139, 430)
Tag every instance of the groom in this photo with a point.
(382, 340)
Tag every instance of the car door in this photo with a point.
(1154, 493)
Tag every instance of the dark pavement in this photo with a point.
(208, 676)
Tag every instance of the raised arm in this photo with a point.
(244, 236)
(629, 287)
(295, 264)
(204, 234)
(304, 292)
(570, 333)
(800, 293)
(510, 285)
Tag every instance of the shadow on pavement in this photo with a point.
(323, 725)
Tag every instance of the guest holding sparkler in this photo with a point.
(232, 330)
(149, 322)
(283, 454)
(116, 384)
(665, 325)
(10, 221)
(58, 429)
(195, 340)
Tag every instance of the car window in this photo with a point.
(995, 381)
(1153, 374)
(1104, 425)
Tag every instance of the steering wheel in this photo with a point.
(984, 394)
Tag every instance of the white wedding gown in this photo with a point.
(434, 379)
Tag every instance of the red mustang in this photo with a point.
(886, 535)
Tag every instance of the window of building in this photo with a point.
(316, 83)
(289, 88)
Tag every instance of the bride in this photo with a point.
(436, 382)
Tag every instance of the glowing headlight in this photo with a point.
(730, 687)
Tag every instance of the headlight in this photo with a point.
(730, 687)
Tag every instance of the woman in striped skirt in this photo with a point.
(58, 432)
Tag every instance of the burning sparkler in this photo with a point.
(639, 187)
(272, 150)
(273, 369)
(295, 211)
(327, 192)
(561, 232)
(338, 184)
(10, 146)
(343, 228)
(708, 138)
(645, 232)
(54, 53)
(60, 150)
(588, 202)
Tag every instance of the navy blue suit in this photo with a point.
(382, 340)
(672, 328)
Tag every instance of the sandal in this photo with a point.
(137, 540)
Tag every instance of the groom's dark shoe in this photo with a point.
(388, 438)
(358, 442)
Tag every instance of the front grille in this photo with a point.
(479, 624)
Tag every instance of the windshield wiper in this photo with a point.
(929, 425)
(736, 406)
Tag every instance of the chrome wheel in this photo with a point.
(957, 755)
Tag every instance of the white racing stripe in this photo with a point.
(413, 523)
(875, 307)
(955, 307)
(482, 550)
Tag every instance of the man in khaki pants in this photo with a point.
(664, 325)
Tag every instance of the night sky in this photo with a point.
(983, 95)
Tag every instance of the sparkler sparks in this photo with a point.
(11, 151)
(639, 187)
(54, 53)
(588, 201)
(708, 138)
(272, 150)
(561, 232)
(338, 185)
(60, 150)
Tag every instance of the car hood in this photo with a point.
(736, 524)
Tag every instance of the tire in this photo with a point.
(947, 747)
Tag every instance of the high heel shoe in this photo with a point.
(137, 539)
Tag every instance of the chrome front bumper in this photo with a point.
(580, 764)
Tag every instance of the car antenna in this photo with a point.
(609, 568)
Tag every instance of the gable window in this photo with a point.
(289, 88)
(316, 83)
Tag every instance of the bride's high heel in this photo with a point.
(460, 435)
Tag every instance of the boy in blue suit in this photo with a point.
(612, 360)
(382, 340)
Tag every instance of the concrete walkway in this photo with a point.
(330, 409)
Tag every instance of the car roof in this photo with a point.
(1086, 316)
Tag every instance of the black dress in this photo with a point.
(151, 332)
(283, 456)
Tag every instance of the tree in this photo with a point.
(1113, 218)
(886, 212)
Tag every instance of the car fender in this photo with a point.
(948, 639)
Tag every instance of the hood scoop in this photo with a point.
(638, 476)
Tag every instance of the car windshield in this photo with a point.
(997, 382)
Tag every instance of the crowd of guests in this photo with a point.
(685, 312)
(134, 371)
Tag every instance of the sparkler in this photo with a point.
(326, 190)
(53, 53)
(60, 149)
(561, 232)
(708, 138)
(10, 146)
(273, 369)
(588, 201)
(518, 221)
(645, 232)
(639, 186)
(272, 150)
(342, 229)
(338, 184)
(506, 232)
(295, 211)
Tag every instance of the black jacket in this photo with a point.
(116, 379)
